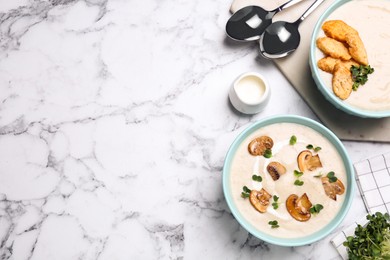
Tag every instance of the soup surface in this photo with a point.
(371, 19)
(245, 165)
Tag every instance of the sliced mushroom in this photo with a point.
(258, 145)
(260, 199)
(306, 161)
(332, 189)
(275, 169)
(299, 208)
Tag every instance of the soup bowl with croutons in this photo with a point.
(288, 180)
(349, 59)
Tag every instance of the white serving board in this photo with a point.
(296, 69)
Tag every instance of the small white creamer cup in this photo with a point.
(250, 93)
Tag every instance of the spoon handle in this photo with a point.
(286, 5)
(309, 11)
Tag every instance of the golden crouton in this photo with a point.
(342, 81)
(356, 48)
(327, 64)
(337, 29)
(333, 48)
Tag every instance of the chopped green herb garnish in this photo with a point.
(275, 204)
(298, 183)
(293, 140)
(318, 175)
(298, 173)
(257, 178)
(316, 209)
(273, 224)
(309, 146)
(268, 153)
(331, 177)
(360, 75)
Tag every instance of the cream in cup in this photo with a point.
(249, 93)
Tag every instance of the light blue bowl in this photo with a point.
(327, 92)
(350, 187)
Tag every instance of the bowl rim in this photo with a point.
(328, 94)
(349, 194)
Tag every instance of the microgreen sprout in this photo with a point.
(257, 178)
(293, 140)
(331, 177)
(246, 192)
(268, 153)
(274, 224)
(275, 204)
(316, 209)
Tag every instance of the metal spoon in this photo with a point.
(282, 38)
(248, 23)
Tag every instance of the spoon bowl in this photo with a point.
(280, 39)
(248, 23)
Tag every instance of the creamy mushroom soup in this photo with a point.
(371, 20)
(284, 182)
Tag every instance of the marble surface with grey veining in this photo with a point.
(114, 125)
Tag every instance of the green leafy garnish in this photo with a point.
(331, 177)
(246, 192)
(268, 153)
(273, 224)
(371, 241)
(293, 140)
(257, 178)
(298, 173)
(298, 183)
(360, 75)
(316, 209)
(318, 175)
(275, 204)
(317, 149)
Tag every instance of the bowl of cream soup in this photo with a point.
(288, 180)
(367, 21)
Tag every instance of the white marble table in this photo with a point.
(114, 124)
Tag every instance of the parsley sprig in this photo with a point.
(360, 75)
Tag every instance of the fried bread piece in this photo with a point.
(341, 31)
(337, 29)
(327, 64)
(333, 48)
(342, 81)
(356, 48)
